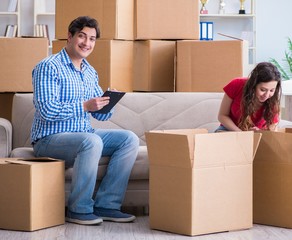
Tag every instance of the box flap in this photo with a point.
(275, 147)
(173, 148)
(256, 142)
(223, 149)
(168, 150)
(29, 161)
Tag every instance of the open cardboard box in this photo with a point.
(200, 182)
(272, 174)
(32, 193)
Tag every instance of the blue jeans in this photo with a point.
(82, 151)
(221, 128)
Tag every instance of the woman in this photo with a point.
(252, 103)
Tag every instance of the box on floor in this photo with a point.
(133, 19)
(32, 193)
(207, 66)
(18, 58)
(273, 179)
(154, 65)
(200, 182)
(113, 61)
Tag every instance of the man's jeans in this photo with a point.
(83, 151)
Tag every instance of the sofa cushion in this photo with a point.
(138, 112)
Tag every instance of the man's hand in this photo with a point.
(95, 104)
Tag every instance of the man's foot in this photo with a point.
(113, 215)
(83, 218)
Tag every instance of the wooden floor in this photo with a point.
(140, 230)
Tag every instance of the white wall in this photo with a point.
(274, 20)
(273, 25)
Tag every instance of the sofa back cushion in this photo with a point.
(139, 112)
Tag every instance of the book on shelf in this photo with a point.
(11, 31)
(12, 7)
(41, 30)
(206, 30)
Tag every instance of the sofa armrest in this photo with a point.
(5, 137)
(285, 124)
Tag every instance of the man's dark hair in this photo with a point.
(81, 22)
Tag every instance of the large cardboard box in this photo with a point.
(32, 193)
(200, 182)
(113, 61)
(166, 19)
(154, 65)
(207, 66)
(18, 58)
(273, 179)
(133, 19)
(115, 17)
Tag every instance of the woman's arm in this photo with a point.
(223, 115)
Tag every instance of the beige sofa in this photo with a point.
(139, 112)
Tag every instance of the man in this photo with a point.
(66, 92)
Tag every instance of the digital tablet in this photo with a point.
(114, 98)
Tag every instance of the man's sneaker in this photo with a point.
(83, 218)
(113, 215)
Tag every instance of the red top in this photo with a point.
(234, 90)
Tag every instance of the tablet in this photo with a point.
(114, 98)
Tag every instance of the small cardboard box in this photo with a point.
(32, 193)
(113, 61)
(154, 65)
(18, 58)
(200, 182)
(207, 66)
(166, 19)
(272, 197)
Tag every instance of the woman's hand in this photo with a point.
(254, 129)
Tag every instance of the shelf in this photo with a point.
(231, 23)
(10, 17)
(9, 13)
(45, 14)
(234, 15)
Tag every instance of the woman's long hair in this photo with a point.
(263, 72)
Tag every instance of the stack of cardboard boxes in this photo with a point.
(32, 191)
(130, 55)
(152, 45)
(18, 57)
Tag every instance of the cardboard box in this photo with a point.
(18, 58)
(6, 106)
(154, 65)
(200, 182)
(133, 19)
(273, 180)
(115, 17)
(207, 66)
(32, 193)
(113, 61)
(166, 19)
